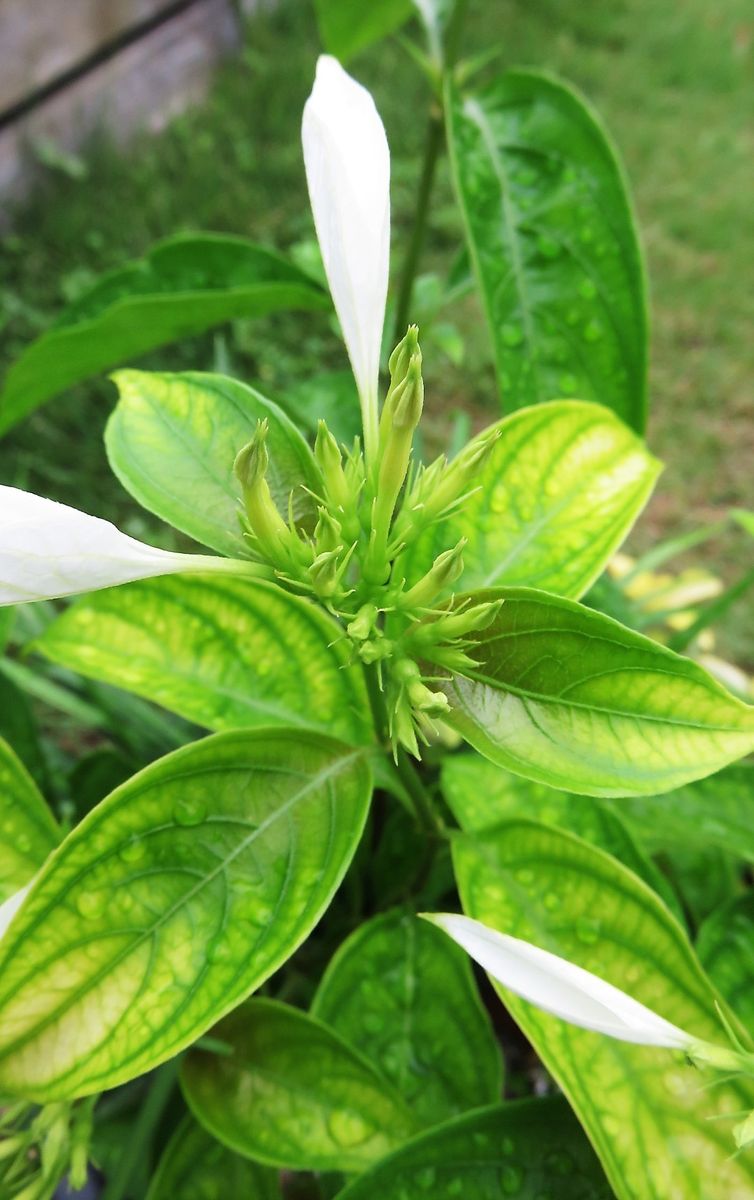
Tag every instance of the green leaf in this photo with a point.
(718, 811)
(18, 724)
(559, 492)
(553, 242)
(172, 441)
(744, 518)
(726, 949)
(29, 832)
(293, 1093)
(222, 652)
(414, 1010)
(173, 900)
(185, 285)
(644, 1110)
(568, 697)
(7, 618)
(481, 794)
(530, 1150)
(195, 1166)
(346, 28)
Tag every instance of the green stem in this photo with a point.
(142, 1131)
(711, 612)
(432, 148)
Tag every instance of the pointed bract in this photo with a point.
(49, 550)
(348, 173)
(560, 987)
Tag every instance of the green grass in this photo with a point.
(673, 83)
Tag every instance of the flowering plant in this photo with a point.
(363, 612)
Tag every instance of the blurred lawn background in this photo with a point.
(675, 86)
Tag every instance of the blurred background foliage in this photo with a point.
(672, 83)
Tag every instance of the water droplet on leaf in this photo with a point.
(189, 812)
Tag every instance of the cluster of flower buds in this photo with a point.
(38, 1146)
(369, 513)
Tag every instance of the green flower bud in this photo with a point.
(330, 461)
(398, 365)
(376, 650)
(265, 521)
(402, 728)
(722, 1058)
(445, 570)
(433, 704)
(328, 533)
(453, 625)
(325, 573)
(363, 623)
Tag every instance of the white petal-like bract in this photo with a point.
(48, 550)
(348, 173)
(560, 987)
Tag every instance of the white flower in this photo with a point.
(348, 172)
(48, 550)
(560, 987)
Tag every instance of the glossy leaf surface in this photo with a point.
(29, 831)
(195, 1166)
(223, 652)
(293, 1093)
(346, 28)
(568, 697)
(553, 243)
(642, 1107)
(481, 795)
(557, 495)
(530, 1150)
(726, 948)
(176, 897)
(185, 285)
(412, 1007)
(172, 441)
(715, 812)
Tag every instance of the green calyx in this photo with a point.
(352, 561)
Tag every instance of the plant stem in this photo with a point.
(152, 1109)
(432, 148)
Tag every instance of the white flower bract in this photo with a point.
(560, 987)
(347, 164)
(49, 550)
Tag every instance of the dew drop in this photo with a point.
(512, 335)
(592, 331)
(567, 384)
(23, 843)
(218, 950)
(586, 234)
(132, 850)
(525, 875)
(91, 904)
(455, 1187)
(347, 1128)
(508, 1145)
(548, 247)
(425, 1178)
(373, 1022)
(559, 1162)
(511, 1180)
(480, 1139)
(587, 930)
(551, 901)
(189, 812)
(588, 289)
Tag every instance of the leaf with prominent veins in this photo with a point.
(173, 899)
(30, 832)
(557, 494)
(568, 697)
(222, 652)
